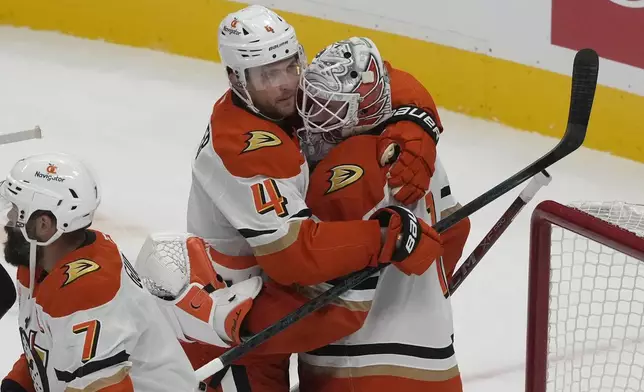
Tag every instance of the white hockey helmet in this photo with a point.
(53, 182)
(252, 37)
(344, 91)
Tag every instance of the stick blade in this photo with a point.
(584, 83)
(35, 133)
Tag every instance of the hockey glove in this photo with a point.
(409, 243)
(9, 385)
(414, 132)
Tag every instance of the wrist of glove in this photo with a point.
(408, 242)
(408, 143)
(9, 385)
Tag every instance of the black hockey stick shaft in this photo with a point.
(541, 179)
(584, 83)
(7, 292)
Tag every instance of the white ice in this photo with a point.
(137, 117)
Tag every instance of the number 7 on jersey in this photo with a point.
(92, 330)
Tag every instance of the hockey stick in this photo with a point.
(7, 292)
(539, 180)
(6, 138)
(584, 83)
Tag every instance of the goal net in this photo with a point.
(586, 298)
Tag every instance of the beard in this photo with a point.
(16, 248)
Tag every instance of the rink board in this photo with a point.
(472, 83)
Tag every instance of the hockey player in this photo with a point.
(406, 343)
(249, 177)
(85, 320)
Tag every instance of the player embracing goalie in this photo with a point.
(300, 179)
(304, 175)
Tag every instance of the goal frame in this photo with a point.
(545, 215)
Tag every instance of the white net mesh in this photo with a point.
(596, 310)
(163, 267)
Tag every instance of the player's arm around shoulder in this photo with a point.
(258, 179)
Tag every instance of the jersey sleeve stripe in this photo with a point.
(449, 211)
(344, 301)
(446, 191)
(92, 367)
(408, 373)
(120, 379)
(251, 233)
(385, 348)
(281, 243)
(305, 213)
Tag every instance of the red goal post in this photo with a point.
(586, 298)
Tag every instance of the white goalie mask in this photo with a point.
(344, 91)
(256, 44)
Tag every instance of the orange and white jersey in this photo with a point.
(249, 183)
(406, 342)
(91, 325)
(237, 194)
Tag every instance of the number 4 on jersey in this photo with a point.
(268, 198)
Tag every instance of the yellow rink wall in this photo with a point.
(475, 84)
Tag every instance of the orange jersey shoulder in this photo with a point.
(407, 90)
(348, 182)
(84, 279)
(249, 145)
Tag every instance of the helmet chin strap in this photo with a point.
(33, 249)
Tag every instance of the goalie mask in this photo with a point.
(344, 91)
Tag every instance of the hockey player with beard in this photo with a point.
(187, 273)
(406, 342)
(250, 179)
(85, 320)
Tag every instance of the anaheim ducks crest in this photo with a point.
(79, 268)
(261, 139)
(342, 176)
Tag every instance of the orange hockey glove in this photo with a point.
(409, 243)
(415, 133)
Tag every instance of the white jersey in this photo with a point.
(408, 333)
(91, 325)
(237, 201)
